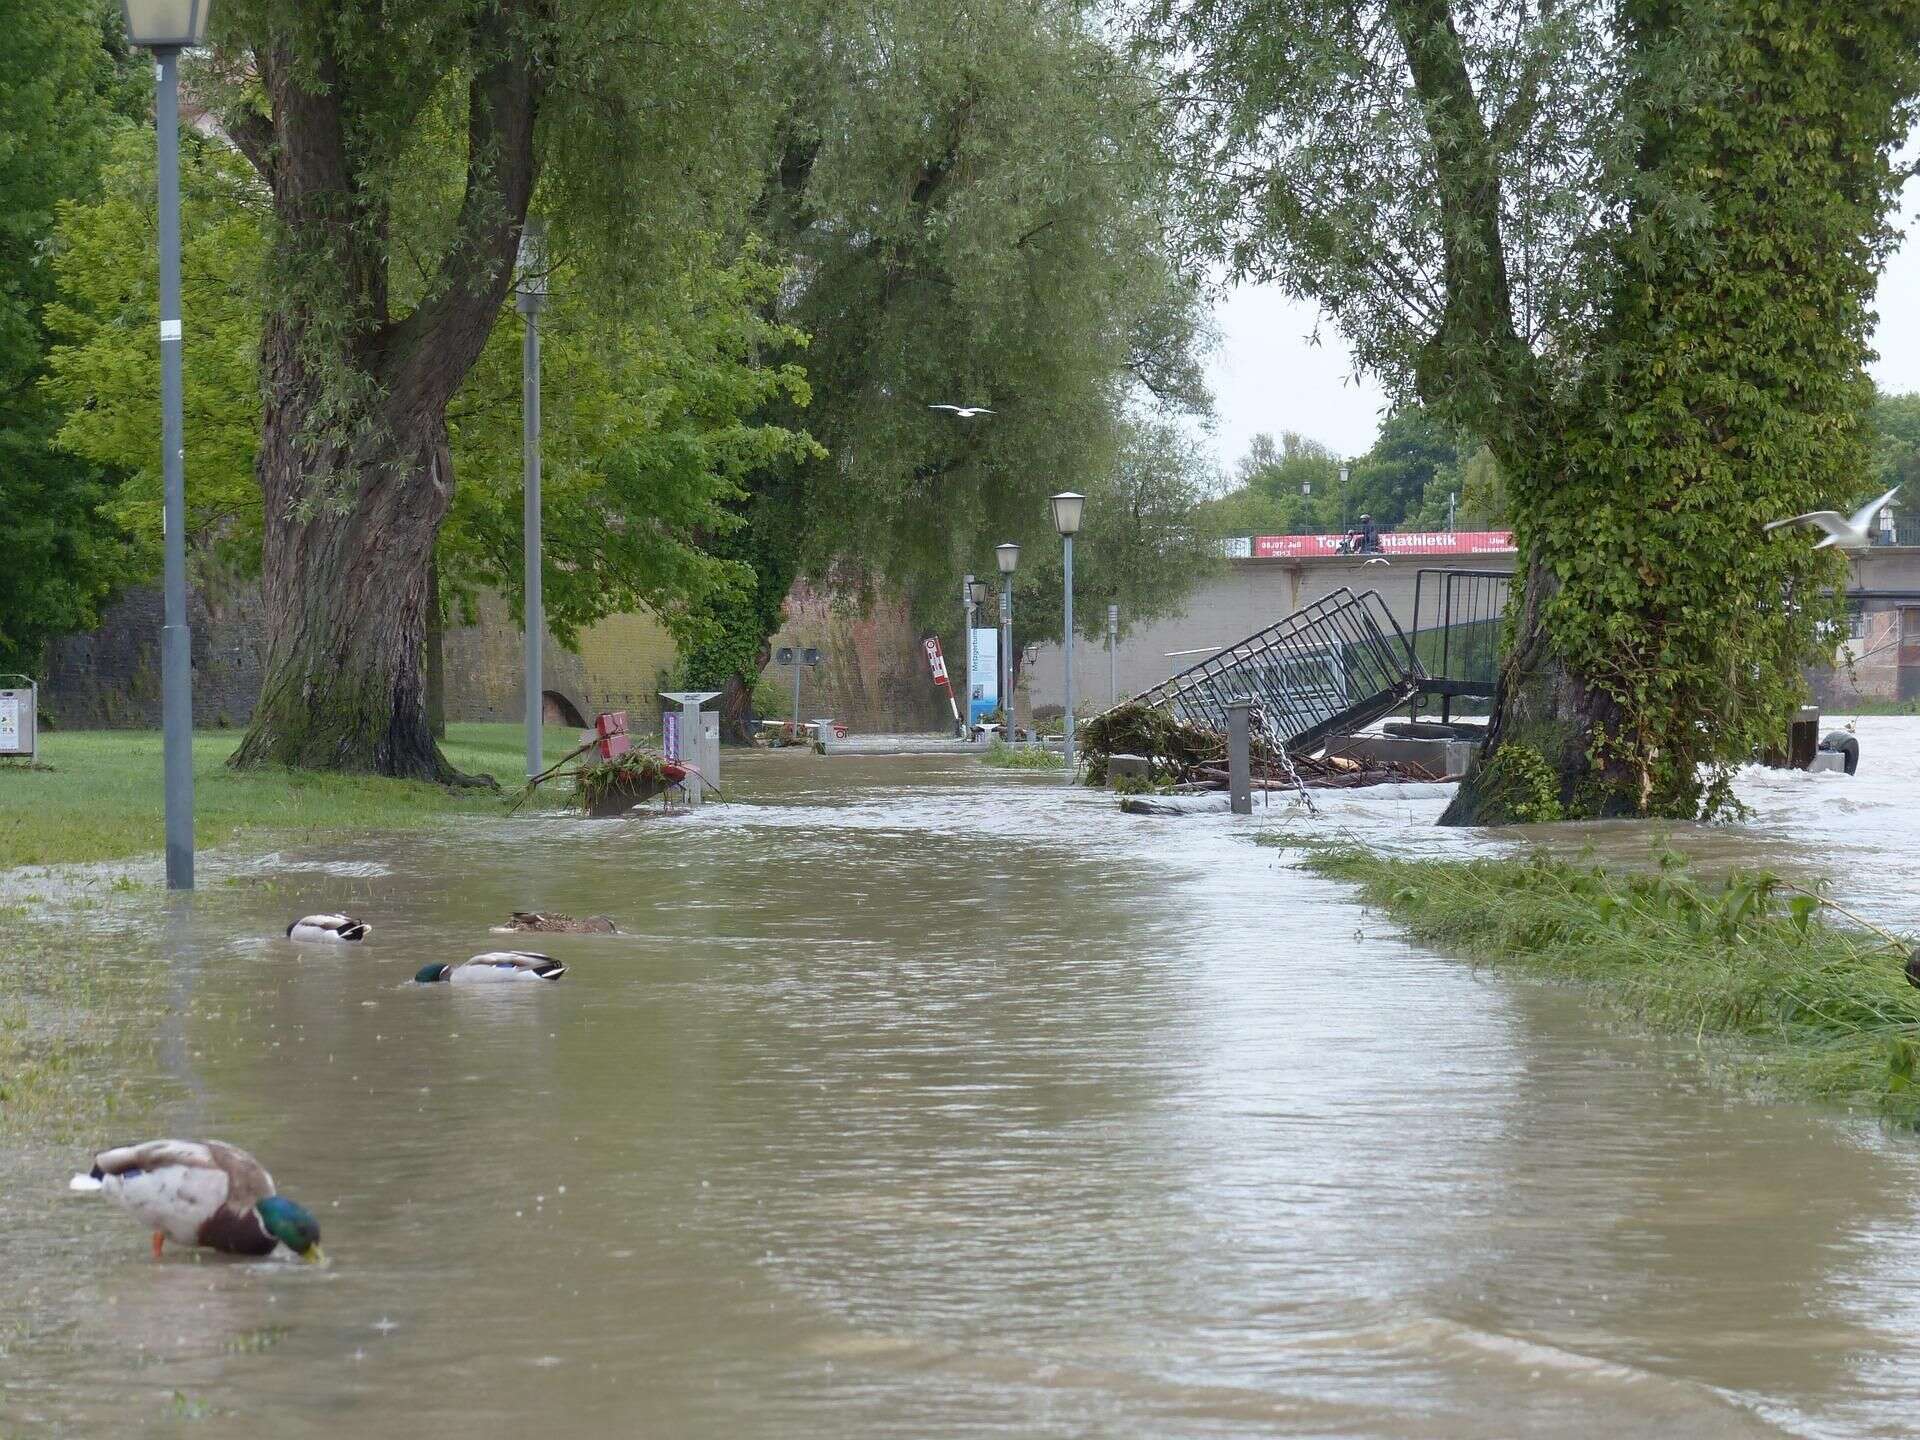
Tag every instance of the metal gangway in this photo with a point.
(1327, 669)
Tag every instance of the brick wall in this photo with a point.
(109, 677)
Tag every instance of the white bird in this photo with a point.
(1378, 560)
(493, 967)
(328, 927)
(965, 412)
(1847, 532)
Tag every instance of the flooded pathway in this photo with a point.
(919, 1100)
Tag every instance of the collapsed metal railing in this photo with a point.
(1328, 668)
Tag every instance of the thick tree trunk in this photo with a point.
(345, 583)
(1537, 761)
(436, 655)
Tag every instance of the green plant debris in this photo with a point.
(1749, 966)
(638, 772)
(1022, 757)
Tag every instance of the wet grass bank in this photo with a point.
(1777, 986)
(97, 795)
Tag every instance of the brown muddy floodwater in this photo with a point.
(921, 1100)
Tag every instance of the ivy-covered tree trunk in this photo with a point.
(1661, 634)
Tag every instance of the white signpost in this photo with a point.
(692, 740)
(19, 730)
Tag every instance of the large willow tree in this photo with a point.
(1633, 244)
(979, 207)
(402, 143)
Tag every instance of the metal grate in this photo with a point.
(1330, 667)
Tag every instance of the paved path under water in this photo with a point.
(922, 1100)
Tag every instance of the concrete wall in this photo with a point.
(1255, 593)
(1252, 595)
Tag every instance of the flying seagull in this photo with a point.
(1378, 560)
(1849, 533)
(965, 412)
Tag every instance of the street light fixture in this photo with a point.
(1067, 506)
(166, 27)
(1008, 556)
(531, 298)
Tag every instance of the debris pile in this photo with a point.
(1183, 757)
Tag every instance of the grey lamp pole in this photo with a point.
(1113, 645)
(532, 297)
(966, 656)
(1067, 506)
(166, 27)
(1008, 556)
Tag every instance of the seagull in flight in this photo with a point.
(1847, 532)
(1378, 560)
(965, 412)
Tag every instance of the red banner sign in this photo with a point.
(1401, 542)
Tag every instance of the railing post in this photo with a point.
(1239, 758)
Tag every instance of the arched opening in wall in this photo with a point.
(556, 709)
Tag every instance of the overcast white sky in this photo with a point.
(1266, 376)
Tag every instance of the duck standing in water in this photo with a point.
(205, 1193)
(494, 967)
(328, 928)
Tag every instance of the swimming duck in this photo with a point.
(203, 1192)
(328, 927)
(552, 922)
(493, 967)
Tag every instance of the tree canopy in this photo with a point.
(1632, 246)
(64, 81)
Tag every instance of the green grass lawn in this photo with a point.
(102, 800)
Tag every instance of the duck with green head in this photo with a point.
(205, 1193)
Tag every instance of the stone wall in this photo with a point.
(109, 677)
(874, 678)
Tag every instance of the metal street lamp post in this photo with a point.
(1008, 556)
(532, 298)
(166, 27)
(1067, 506)
(966, 654)
(1113, 643)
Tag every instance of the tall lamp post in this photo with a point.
(1067, 506)
(532, 298)
(966, 651)
(1009, 557)
(166, 27)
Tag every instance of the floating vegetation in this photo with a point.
(1022, 757)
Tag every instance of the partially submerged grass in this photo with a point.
(1022, 757)
(1805, 1005)
(99, 796)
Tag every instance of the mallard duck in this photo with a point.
(552, 922)
(203, 1192)
(493, 967)
(328, 927)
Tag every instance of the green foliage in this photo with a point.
(1521, 787)
(646, 415)
(1745, 961)
(104, 372)
(64, 82)
(1289, 488)
(638, 774)
(977, 212)
(1003, 756)
(1630, 246)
